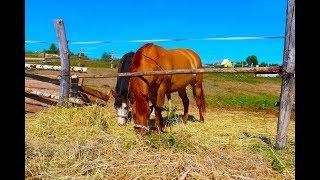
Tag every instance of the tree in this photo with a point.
(72, 54)
(274, 64)
(52, 49)
(263, 64)
(252, 60)
(240, 64)
(106, 56)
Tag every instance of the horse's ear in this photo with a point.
(114, 94)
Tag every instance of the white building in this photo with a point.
(226, 62)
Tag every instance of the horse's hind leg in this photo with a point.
(199, 96)
(185, 101)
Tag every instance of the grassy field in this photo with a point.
(235, 141)
(242, 91)
(74, 61)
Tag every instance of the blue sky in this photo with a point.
(120, 20)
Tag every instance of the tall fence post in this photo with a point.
(65, 64)
(288, 70)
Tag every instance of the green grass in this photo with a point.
(259, 101)
(280, 159)
(243, 94)
(33, 54)
(74, 61)
(241, 77)
(170, 141)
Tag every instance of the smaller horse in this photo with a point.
(121, 93)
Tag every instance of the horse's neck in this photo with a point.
(160, 51)
(153, 53)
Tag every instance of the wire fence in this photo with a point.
(237, 38)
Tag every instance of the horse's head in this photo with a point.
(121, 93)
(140, 106)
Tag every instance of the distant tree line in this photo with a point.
(253, 60)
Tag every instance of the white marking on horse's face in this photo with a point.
(153, 112)
(122, 114)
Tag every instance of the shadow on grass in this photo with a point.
(172, 120)
(278, 157)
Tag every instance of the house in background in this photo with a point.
(226, 63)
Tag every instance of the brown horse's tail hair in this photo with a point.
(198, 94)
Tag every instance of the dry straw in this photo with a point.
(87, 143)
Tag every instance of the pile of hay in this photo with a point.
(86, 142)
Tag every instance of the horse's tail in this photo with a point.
(198, 93)
(202, 100)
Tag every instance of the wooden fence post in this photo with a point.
(65, 64)
(288, 70)
(75, 86)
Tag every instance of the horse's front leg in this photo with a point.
(159, 104)
(170, 104)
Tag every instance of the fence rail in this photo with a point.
(55, 68)
(271, 70)
(52, 96)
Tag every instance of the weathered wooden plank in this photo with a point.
(43, 78)
(54, 68)
(34, 58)
(40, 99)
(36, 104)
(95, 93)
(52, 96)
(87, 98)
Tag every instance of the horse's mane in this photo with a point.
(136, 96)
(126, 61)
(122, 82)
(136, 58)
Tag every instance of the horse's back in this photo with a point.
(183, 59)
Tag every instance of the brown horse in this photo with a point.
(153, 88)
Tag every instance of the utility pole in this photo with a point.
(111, 65)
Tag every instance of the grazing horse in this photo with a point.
(145, 89)
(121, 91)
